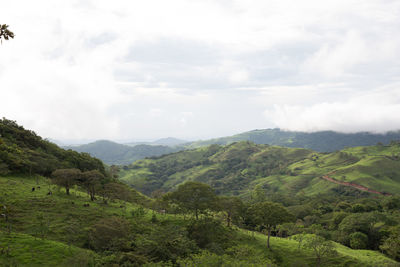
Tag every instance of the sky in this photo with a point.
(142, 70)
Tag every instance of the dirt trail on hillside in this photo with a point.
(357, 186)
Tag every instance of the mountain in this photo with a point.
(324, 141)
(114, 153)
(240, 167)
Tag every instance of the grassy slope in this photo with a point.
(291, 170)
(27, 250)
(66, 217)
(60, 214)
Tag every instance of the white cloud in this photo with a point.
(92, 69)
(374, 112)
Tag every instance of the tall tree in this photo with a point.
(5, 33)
(269, 215)
(195, 197)
(233, 208)
(91, 180)
(66, 178)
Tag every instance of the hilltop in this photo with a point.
(322, 141)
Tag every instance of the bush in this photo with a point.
(358, 240)
(110, 234)
(210, 234)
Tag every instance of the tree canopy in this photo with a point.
(194, 197)
(269, 215)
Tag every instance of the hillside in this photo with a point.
(324, 141)
(22, 151)
(61, 230)
(118, 154)
(239, 167)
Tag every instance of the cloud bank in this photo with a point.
(196, 69)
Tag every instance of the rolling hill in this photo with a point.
(240, 167)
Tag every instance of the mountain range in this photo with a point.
(325, 141)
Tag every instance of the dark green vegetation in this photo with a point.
(325, 141)
(114, 153)
(71, 216)
(23, 151)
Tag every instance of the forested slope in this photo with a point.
(239, 167)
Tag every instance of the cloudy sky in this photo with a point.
(141, 70)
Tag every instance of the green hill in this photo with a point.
(118, 154)
(239, 167)
(323, 141)
(22, 151)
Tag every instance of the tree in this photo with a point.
(392, 244)
(110, 234)
(269, 215)
(320, 246)
(195, 197)
(358, 240)
(90, 181)
(66, 178)
(5, 33)
(232, 206)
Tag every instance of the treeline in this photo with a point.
(23, 151)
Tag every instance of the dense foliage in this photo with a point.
(22, 151)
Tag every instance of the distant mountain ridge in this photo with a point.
(323, 141)
(326, 141)
(114, 153)
(168, 141)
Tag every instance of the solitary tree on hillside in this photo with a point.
(195, 197)
(232, 206)
(5, 33)
(90, 181)
(269, 215)
(66, 178)
(320, 246)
